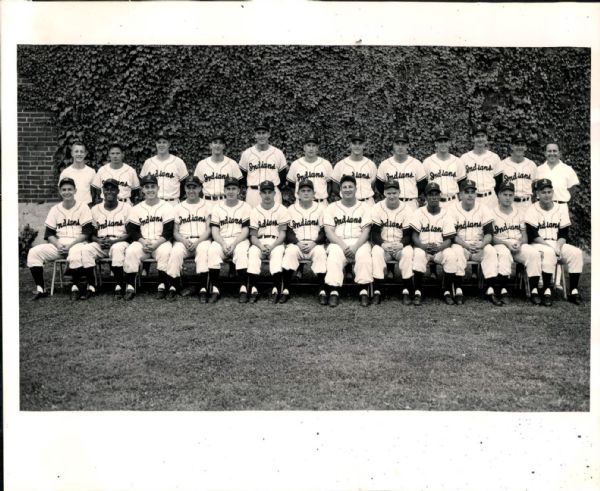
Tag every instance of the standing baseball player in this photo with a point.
(150, 227)
(432, 233)
(473, 240)
(510, 242)
(563, 177)
(548, 231)
(408, 171)
(347, 226)
(358, 166)
(192, 237)
(212, 171)
(230, 226)
(483, 168)
(110, 238)
(263, 162)
(391, 238)
(68, 225)
(124, 174)
(520, 171)
(312, 167)
(268, 225)
(82, 175)
(169, 170)
(306, 239)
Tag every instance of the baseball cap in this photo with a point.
(148, 179)
(543, 183)
(111, 182)
(311, 138)
(468, 184)
(231, 181)
(192, 181)
(506, 186)
(479, 129)
(262, 125)
(392, 183)
(518, 138)
(306, 183)
(357, 136)
(432, 186)
(347, 177)
(266, 185)
(162, 134)
(66, 180)
(401, 137)
(217, 136)
(442, 135)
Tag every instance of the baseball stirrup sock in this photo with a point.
(449, 279)
(38, 275)
(203, 277)
(321, 278)
(573, 280)
(533, 282)
(243, 276)
(547, 279)
(76, 275)
(287, 278)
(418, 280)
(215, 278)
(130, 279)
(253, 280)
(163, 277)
(118, 274)
(89, 276)
(277, 280)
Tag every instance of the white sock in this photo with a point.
(254, 290)
(286, 292)
(417, 293)
(534, 291)
(74, 288)
(322, 292)
(173, 289)
(574, 291)
(161, 286)
(334, 292)
(202, 290)
(215, 290)
(91, 288)
(242, 289)
(376, 292)
(548, 292)
(503, 291)
(459, 291)
(39, 289)
(490, 291)
(118, 288)
(274, 290)
(363, 292)
(405, 292)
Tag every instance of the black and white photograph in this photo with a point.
(266, 232)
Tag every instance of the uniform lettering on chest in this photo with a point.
(67, 222)
(305, 222)
(468, 224)
(121, 183)
(110, 223)
(361, 175)
(150, 219)
(213, 176)
(391, 224)
(192, 218)
(346, 219)
(441, 173)
(546, 224)
(506, 228)
(478, 167)
(515, 176)
(261, 165)
(268, 222)
(309, 175)
(230, 220)
(400, 175)
(431, 228)
(163, 173)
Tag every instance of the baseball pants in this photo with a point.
(491, 200)
(93, 251)
(134, 255)
(179, 253)
(367, 201)
(275, 258)
(413, 204)
(487, 257)
(527, 255)
(447, 258)
(521, 206)
(570, 255)
(445, 205)
(240, 254)
(381, 257)
(42, 253)
(337, 260)
(317, 256)
(253, 197)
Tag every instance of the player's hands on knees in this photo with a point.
(265, 250)
(558, 250)
(350, 252)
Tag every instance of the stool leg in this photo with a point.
(53, 278)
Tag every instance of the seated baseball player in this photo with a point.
(391, 237)
(110, 238)
(547, 225)
(305, 239)
(347, 226)
(150, 227)
(230, 227)
(473, 240)
(68, 225)
(510, 242)
(432, 233)
(192, 237)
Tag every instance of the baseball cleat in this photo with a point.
(334, 300)
(214, 296)
(417, 300)
(575, 298)
(364, 300)
(547, 300)
(405, 299)
(535, 299)
(243, 297)
(161, 294)
(172, 295)
(187, 292)
(284, 297)
(38, 294)
(203, 297)
(274, 296)
(504, 298)
(448, 299)
(88, 294)
(129, 294)
(494, 299)
(459, 299)
(118, 294)
(322, 298)
(254, 297)
(376, 298)
(74, 295)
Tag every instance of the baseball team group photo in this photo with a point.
(295, 227)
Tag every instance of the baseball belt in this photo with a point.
(124, 199)
(443, 200)
(560, 202)
(193, 237)
(364, 199)
(267, 236)
(320, 200)
(483, 195)
(214, 198)
(407, 199)
(521, 199)
(169, 199)
(253, 187)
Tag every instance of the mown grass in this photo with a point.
(158, 355)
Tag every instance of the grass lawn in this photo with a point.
(158, 355)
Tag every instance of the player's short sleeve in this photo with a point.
(461, 172)
(51, 218)
(182, 171)
(135, 182)
(254, 219)
(449, 225)
(366, 217)
(291, 176)
(328, 169)
(572, 179)
(328, 216)
(538, 173)
(565, 220)
(215, 216)
(168, 213)
(376, 214)
(134, 216)
(234, 169)
(283, 216)
(246, 210)
(414, 221)
(531, 217)
(244, 160)
(97, 180)
(145, 168)
(420, 173)
(281, 161)
(486, 215)
(381, 171)
(336, 175)
(197, 172)
(86, 215)
(373, 170)
(496, 165)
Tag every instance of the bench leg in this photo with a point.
(53, 278)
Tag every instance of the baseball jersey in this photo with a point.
(151, 218)
(507, 227)
(548, 222)
(262, 165)
(267, 222)
(68, 224)
(446, 173)
(407, 173)
(83, 181)
(469, 224)
(125, 176)
(230, 219)
(432, 229)
(520, 174)
(364, 171)
(392, 222)
(306, 223)
(319, 172)
(212, 174)
(562, 176)
(168, 172)
(110, 223)
(192, 218)
(348, 221)
(482, 169)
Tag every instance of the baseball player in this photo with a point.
(347, 226)
(547, 225)
(110, 238)
(150, 227)
(192, 237)
(230, 226)
(305, 239)
(391, 236)
(358, 166)
(68, 225)
(563, 177)
(510, 242)
(263, 162)
(213, 170)
(124, 174)
(312, 167)
(169, 170)
(268, 225)
(473, 223)
(82, 175)
(408, 171)
(520, 171)
(432, 233)
(483, 167)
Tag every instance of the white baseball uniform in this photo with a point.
(262, 165)
(267, 223)
(433, 229)
(306, 224)
(212, 175)
(407, 173)
(319, 172)
(483, 169)
(349, 223)
(446, 173)
(125, 176)
(169, 173)
(521, 174)
(83, 181)
(109, 224)
(562, 176)
(230, 221)
(365, 173)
